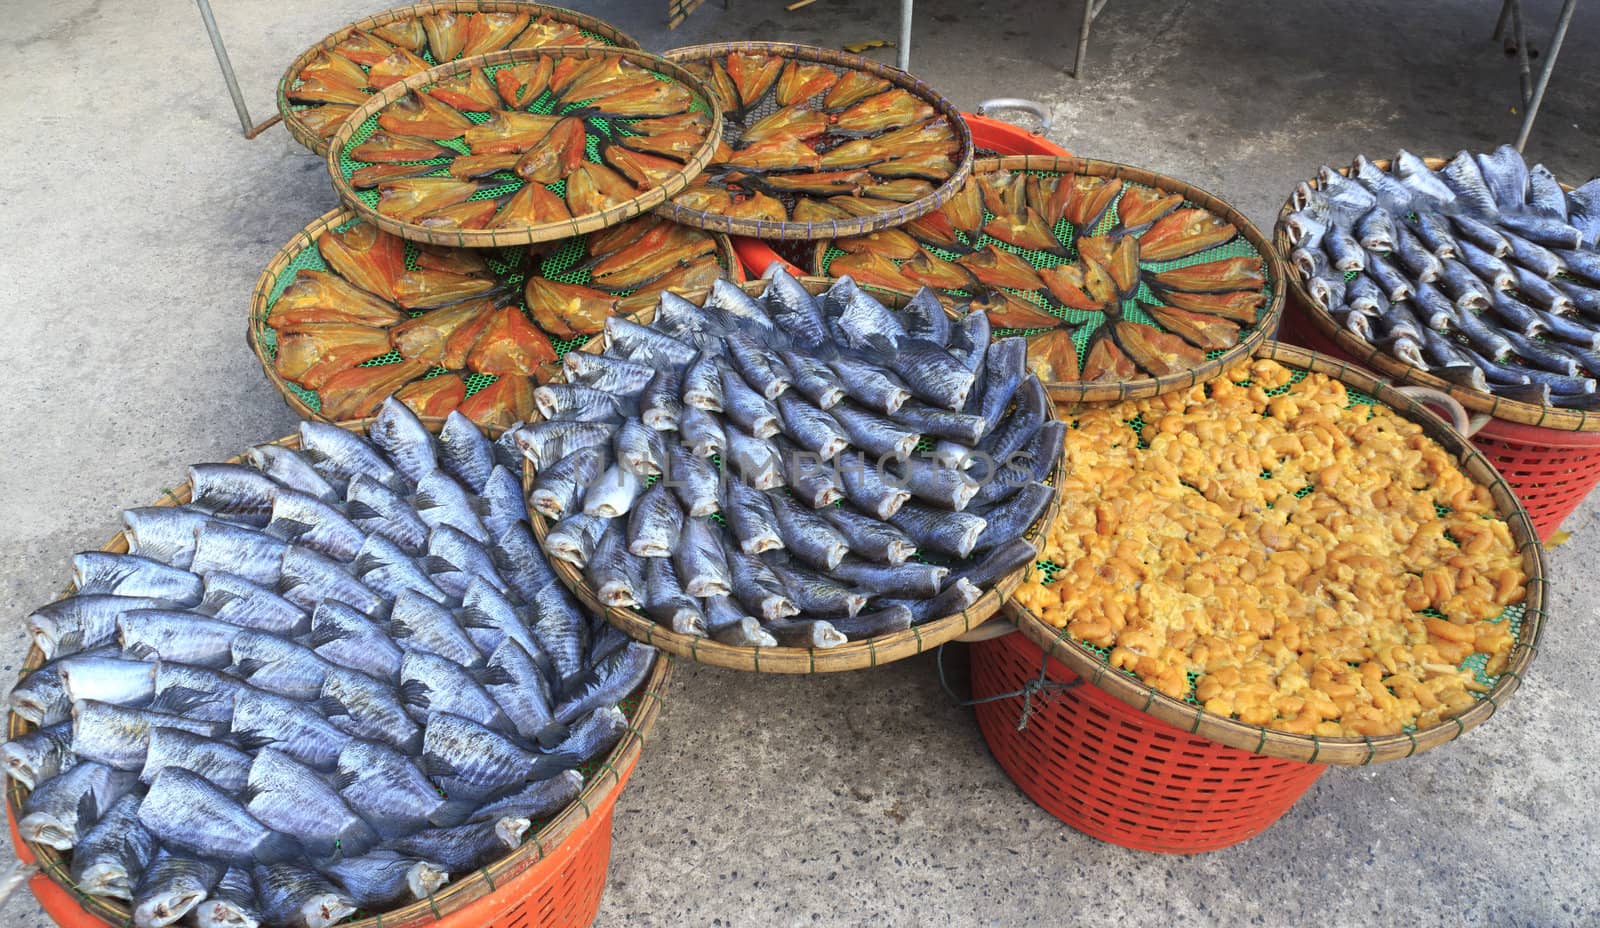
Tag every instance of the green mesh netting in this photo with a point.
(1086, 322)
(1476, 663)
(502, 183)
(559, 262)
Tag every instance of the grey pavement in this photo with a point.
(137, 219)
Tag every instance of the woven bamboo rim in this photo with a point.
(303, 134)
(1309, 748)
(853, 655)
(835, 228)
(1550, 417)
(460, 892)
(255, 331)
(543, 232)
(1271, 266)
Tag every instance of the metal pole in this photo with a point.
(227, 66)
(1560, 36)
(1500, 24)
(903, 53)
(1518, 35)
(1091, 9)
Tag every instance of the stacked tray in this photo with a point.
(818, 144)
(523, 146)
(548, 448)
(543, 301)
(1178, 284)
(402, 41)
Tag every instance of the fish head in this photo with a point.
(323, 910)
(424, 879)
(164, 908)
(510, 830)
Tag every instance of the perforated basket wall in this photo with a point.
(364, 121)
(1118, 774)
(553, 880)
(560, 262)
(294, 114)
(1248, 243)
(1552, 471)
(1526, 619)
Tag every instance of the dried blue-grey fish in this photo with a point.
(237, 601)
(350, 638)
(262, 719)
(340, 454)
(173, 635)
(292, 894)
(62, 809)
(39, 754)
(132, 575)
(234, 492)
(667, 603)
(406, 443)
(383, 879)
(171, 887)
(232, 903)
(291, 799)
(111, 857)
(420, 624)
(291, 468)
(185, 811)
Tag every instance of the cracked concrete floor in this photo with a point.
(138, 219)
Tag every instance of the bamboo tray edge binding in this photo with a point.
(611, 773)
(837, 228)
(853, 655)
(1309, 748)
(319, 145)
(1550, 417)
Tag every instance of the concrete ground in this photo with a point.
(137, 220)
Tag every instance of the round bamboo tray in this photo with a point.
(293, 113)
(839, 61)
(361, 122)
(301, 252)
(532, 861)
(1549, 417)
(991, 138)
(1249, 241)
(853, 655)
(1310, 749)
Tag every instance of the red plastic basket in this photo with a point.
(989, 137)
(561, 890)
(1117, 774)
(1550, 470)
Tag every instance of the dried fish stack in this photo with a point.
(1118, 277)
(524, 146)
(1483, 271)
(366, 315)
(334, 679)
(326, 84)
(817, 143)
(763, 471)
